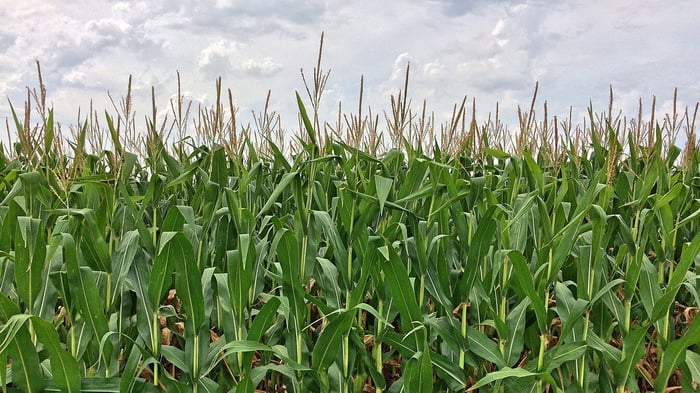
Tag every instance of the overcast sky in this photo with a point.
(491, 50)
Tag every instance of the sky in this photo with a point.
(493, 51)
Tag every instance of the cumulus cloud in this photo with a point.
(216, 57)
(264, 67)
(6, 41)
(303, 12)
(74, 78)
(433, 69)
(460, 7)
(491, 50)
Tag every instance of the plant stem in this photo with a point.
(540, 360)
(154, 344)
(378, 361)
(346, 336)
(464, 335)
(502, 309)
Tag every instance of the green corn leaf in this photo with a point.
(570, 311)
(249, 257)
(287, 249)
(112, 385)
(84, 290)
(7, 274)
(4, 381)
(482, 346)
(129, 163)
(16, 341)
(30, 255)
(184, 177)
(49, 133)
(402, 293)
(245, 385)
(240, 279)
(174, 355)
(94, 246)
(508, 372)
(219, 169)
(535, 172)
(437, 287)
(64, 368)
(568, 234)
(375, 202)
(448, 331)
(516, 321)
(328, 343)
(129, 375)
(19, 127)
(370, 268)
(376, 376)
(307, 123)
(259, 373)
(208, 286)
(224, 312)
(649, 290)
(496, 153)
(327, 274)
(262, 322)
(113, 133)
(161, 274)
(445, 368)
(279, 189)
(689, 218)
(264, 319)
(692, 359)
(565, 242)
(83, 338)
(418, 372)
(632, 351)
(45, 303)
(197, 352)
(525, 285)
(177, 218)
(171, 385)
(244, 346)
(373, 312)
(690, 252)
(137, 281)
(36, 192)
(340, 254)
(675, 354)
(563, 353)
(146, 240)
(26, 372)
(188, 285)
(122, 260)
(606, 290)
(479, 247)
(383, 187)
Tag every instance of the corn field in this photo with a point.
(421, 258)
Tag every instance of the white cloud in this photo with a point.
(434, 69)
(265, 67)
(498, 29)
(491, 50)
(216, 57)
(74, 78)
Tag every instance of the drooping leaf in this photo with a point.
(328, 343)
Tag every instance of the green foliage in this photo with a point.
(238, 266)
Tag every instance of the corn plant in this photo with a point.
(222, 261)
